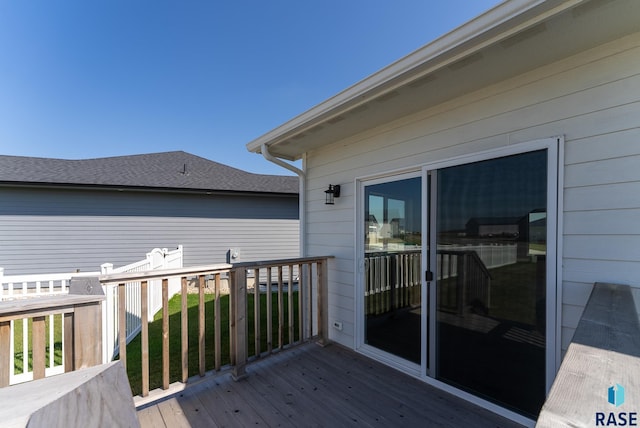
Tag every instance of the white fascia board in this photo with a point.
(376, 84)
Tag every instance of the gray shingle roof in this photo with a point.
(169, 170)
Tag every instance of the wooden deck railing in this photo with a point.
(81, 327)
(279, 285)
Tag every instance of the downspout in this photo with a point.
(264, 149)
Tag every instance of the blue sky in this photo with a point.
(85, 79)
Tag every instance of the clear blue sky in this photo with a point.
(85, 79)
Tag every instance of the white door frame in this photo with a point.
(555, 162)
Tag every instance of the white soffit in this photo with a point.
(509, 39)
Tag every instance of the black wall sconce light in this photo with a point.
(332, 192)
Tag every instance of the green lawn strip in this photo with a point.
(134, 359)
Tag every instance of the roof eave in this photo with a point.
(472, 35)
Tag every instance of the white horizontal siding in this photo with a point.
(39, 242)
(591, 98)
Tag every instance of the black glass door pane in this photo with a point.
(491, 279)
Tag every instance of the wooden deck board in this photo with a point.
(319, 383)
(303, 404)
(314, 386)
(150, 417)
(365, 404)
(403, 394)
(239, 409)
(261, 402)
(214, 407)
(173, 412)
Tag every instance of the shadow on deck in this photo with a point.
(313, 386)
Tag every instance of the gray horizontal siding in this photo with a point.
(47, 231)
(68, 202)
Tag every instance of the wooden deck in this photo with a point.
(314, 386)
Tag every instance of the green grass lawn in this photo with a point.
(134, 364)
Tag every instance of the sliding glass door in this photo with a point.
(458, 273)
(490, 278)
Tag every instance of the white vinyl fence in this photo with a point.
(29, 286)
(156, 259)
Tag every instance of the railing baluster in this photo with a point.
(238, 299)
(184, 330)
(39, 359)
(280, 310)
(290, 304)
(12, 350)
(68, 347)
(201, 326)
(25, 345)
(256, 313)
(144, 336)
(5, 357)
(165, 333)
(301, 294)
(269, 313)
(51, 340)
(217, 323)
(323, 301)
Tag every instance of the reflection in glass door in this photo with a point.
(392, 273)
(490, 267)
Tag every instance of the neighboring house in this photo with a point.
(63, 215)
(529, 111)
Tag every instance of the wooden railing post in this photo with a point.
(87, 324)
(238, 319)
(323, 304)
(87, 341)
